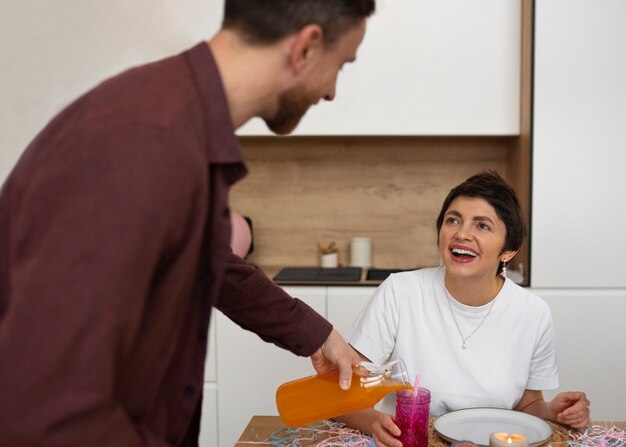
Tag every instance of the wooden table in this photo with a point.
(261, 427)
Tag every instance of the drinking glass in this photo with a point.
(412, 410)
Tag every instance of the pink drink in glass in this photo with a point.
(412, 417)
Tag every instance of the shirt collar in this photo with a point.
(217, 114)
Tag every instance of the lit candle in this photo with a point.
(507, 440)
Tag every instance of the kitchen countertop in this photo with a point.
(272, 271)
(261, 427)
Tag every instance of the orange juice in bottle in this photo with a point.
(319, 397)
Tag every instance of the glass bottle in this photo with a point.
(319, 397)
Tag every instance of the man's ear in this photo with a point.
(308, 43)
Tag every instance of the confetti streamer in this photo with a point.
(599, 436)
(322, 434)
(596, 436)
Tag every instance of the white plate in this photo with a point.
(476, 424)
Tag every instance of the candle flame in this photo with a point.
(509, 440)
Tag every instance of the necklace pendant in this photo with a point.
(464, 345)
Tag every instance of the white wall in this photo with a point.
(53, 50)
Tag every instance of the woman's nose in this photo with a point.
(463, 233)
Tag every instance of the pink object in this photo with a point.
(240, 235)
(412, 417)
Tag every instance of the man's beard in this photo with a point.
(292, 105)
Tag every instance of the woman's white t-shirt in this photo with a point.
(409, 318)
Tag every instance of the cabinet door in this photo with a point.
(249, 370)
(208, 426)
(578, 209)
(344, 305)
(590, 334)
(210, 365)
(427, 68)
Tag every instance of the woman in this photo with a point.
(476, 338)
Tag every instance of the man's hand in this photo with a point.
(335, 354)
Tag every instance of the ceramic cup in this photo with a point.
(361, 252)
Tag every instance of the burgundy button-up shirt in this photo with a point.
(114, 247)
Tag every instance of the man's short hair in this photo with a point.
(267, 21)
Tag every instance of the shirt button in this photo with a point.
(189, 390)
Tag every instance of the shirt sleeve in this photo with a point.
(544, 374)
(256, 303)
(374, 331)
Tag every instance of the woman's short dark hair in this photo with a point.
(267, 21)
(489, 185)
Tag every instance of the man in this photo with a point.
(114, 233)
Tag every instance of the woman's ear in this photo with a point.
(508, 255)
(308, 43)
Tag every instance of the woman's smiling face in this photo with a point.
(471, 238)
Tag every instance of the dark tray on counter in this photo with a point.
(382, 274)
(347, 275)
(318, 274)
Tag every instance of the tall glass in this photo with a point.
(319, 397)
(412, 417)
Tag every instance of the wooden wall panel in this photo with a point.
(301, 191)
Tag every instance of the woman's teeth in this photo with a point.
(458, 251)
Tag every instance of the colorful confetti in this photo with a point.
(322, 434)
(599, 436)
(594, 436)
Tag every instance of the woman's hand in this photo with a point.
(571, 408)
(568, 408)
(384, 431)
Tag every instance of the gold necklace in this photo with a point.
(458, 328)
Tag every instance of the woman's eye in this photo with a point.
(484, 226)
(452, 220)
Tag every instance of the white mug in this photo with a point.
(361, 252)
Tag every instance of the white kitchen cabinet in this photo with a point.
(427, 68)
(578, 209)
(208, 427)
(249, 370)
(344, 305)
(424, 68)
(590, 334)
(208, 424)
(210, 365)
(579, 154)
